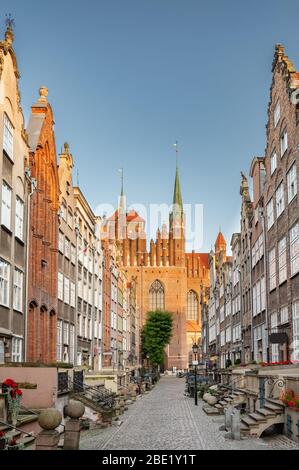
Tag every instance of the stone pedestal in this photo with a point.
(47, 440)
(72, 435)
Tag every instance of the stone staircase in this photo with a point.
(232, 398)
(21, 436)
(255, 423)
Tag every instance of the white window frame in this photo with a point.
(18, 290)
(292, 182)
(270, 214)
(295, 317)
(66, 288)
(4, 283)
(284, 315)
(6, 205)
(282, 260)
(279, 196)
(60, 286)
(8, 131)
(73, 295)
(17, 349)
(294, 249)
(59, 341)
(61, 242)
(273, 162)
(276, 114)
(272, 269)
(67, 248)
(283, 143)
(19, 218)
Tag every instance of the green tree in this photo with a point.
(155, 335)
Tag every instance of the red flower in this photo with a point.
(2, 434)
(291, 404)
(9, 383)
(12, 442)
(19, 392)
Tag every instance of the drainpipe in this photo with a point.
(33, 186)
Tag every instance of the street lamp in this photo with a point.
(195, 352)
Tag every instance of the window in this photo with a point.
(284, 315)
(270, 214)
(258, 296)
(8, 137)
(157, 296)
(73, 295)
(272, 269)
(276, 114)
(279, 200)
(4, 282)
(60, 242)
(18, 291)
(17, 346)
(222, 338)
(282, 260)
(19, 220)
(294, 249)
(67, 248)
(263, 293)
(6, 205)
(66, 297)
(283, 143)
(60, 286)
(275, 347)
(72, 344)
(273, 162)
(65, 333)
(59, 341)
(292, 182)
(70, 219)
(73, 254)
(63, 211)
(228, 334)
(192, 306)
(295, 314)
(221, 313)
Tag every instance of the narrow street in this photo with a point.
(165, 419)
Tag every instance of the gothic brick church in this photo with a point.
(167, 278)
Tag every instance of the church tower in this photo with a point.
(177, 225)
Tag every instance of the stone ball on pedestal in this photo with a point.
(49, 419)
(74, 409)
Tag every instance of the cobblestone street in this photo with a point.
(165, 419)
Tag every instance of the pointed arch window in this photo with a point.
(192, 306)
(157, 296)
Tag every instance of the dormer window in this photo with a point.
(283, 143)
(276, 115)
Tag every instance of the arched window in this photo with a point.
(192, 306)
(156, 296)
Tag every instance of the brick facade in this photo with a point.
(43, 235)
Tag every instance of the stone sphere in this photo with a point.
(74, 409)
(49, 419)
(212, 400)
(206, 396)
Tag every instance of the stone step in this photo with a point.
(11, 434)
(220, 407)
(249, 421)
(27, 441)
(223, 403)
(264, 412)
(275, 408)
(275, 401)
(244, 428)
(258, 417)
(227, 400)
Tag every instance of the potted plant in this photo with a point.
(2, 440)
(13, 445)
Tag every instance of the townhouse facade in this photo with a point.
(15, 186)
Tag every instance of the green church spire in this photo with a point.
(177, 195)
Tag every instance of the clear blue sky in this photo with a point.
(127, 78)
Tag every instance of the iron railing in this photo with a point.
(99, 395)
